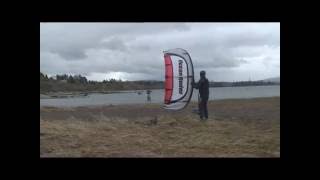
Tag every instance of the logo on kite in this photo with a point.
(178, 79)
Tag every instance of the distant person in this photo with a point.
(148, 95)
(203, 86)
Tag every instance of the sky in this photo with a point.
(134, 51)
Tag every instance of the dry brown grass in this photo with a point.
(229, 133)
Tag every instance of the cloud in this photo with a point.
(134, 50)
(114, 43)
(71, 40)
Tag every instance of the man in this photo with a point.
(203, 86)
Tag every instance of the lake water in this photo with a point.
(157, 95)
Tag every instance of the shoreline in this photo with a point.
(56, 95)
(62, 94)
(151, 103)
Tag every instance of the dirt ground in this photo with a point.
(235, 128)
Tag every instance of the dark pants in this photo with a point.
(203, 109)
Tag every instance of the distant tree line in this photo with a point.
(69, 83)
(72, 79)
(242, 83)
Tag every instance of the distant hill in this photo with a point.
(275, 79)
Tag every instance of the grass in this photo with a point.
(235, 128)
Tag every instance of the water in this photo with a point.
(156, 96)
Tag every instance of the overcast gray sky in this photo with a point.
(134, 51)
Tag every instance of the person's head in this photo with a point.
(202, 74)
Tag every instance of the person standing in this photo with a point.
(203, 86)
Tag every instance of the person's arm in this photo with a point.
(195, 85)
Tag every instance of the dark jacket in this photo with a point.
(203, 86)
